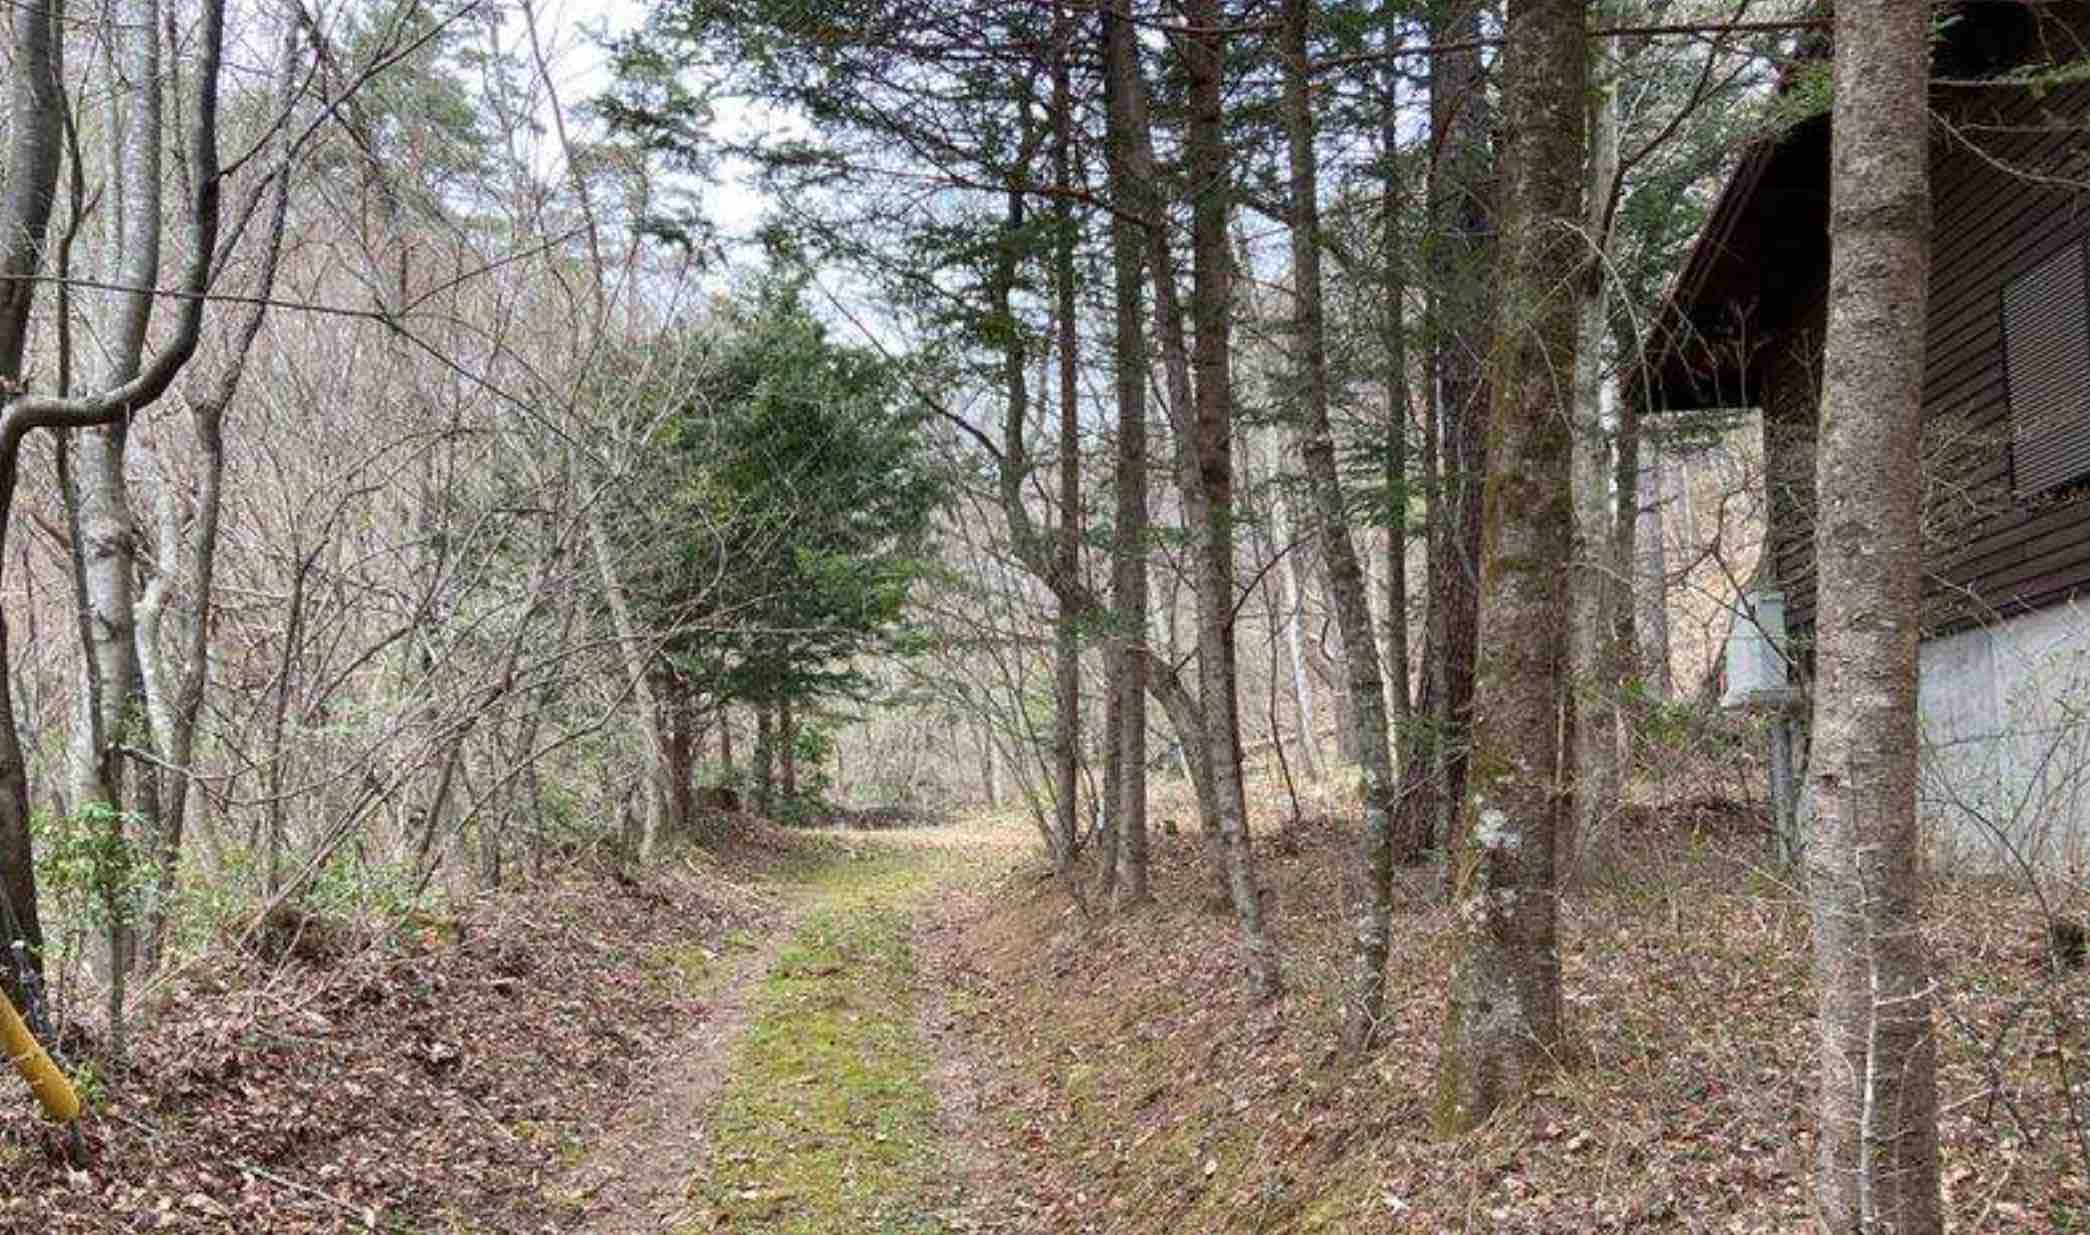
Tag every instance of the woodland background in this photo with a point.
(410, 487)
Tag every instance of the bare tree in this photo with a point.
(129, 379)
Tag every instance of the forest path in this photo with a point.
(820, 1092)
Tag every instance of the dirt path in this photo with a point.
(635, 1179)
(823, 1088)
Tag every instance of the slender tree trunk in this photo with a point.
(1877, 1138)
(1293, 603)
(1503, 1016)
(28, 191)
(1434, 777)
(1209, 172)
(1625, 539)
(990, 767)
(787, 748)
(765, 757)
(677, 728)
(175, 714)
(1066, 733)
(1593, 699)
(632, 651)
(1651, 573)
(1110, 804)
(1371, 898)
(36, 124)
(1138, 193)
(1393, 341)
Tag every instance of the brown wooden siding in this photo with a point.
(1994, 554)
(1988, 554)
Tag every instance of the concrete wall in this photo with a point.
(2006, 732)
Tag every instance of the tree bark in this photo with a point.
(1434, 770)
(677, 726)
(765, 757)
(1292, 596)
(787, 748)
(27, 194)
(174, 721)
(633, 653)
(1128, 579)
(1625, 526)
(1371, 901)
(1212, 537)
(1651, 573)
(1594, 587)
(1503, 1017)
(1066, 635)
(1877, 1164)
(1393, 326)
(1138, 195)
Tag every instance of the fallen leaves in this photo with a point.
(1138, 1073)
(417, 1079)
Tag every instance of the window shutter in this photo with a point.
(2046, 355)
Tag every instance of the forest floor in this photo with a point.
(1137, 1089)
(922, 1032)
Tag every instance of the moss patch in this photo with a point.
(828, 1123)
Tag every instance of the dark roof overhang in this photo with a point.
(1758, 266)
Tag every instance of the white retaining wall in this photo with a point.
(2006, 731)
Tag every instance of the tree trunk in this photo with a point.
(174, 721)
(27, 193)
(787, 749)
(632, 651)
(677, 727)
(1066, 635)
(1434, 771)
(1136, 182)
(1371, 901)
(1594, 588)
(1393, 341)
(1651, 574)
(990, 766)
(765, 758)
(1212, 535)
(1293, 600)
(37, 126)
(1625, 525)
(1877, 1147)
(1503, 1018)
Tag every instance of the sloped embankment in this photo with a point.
(437, 1074)
(1136, 1089)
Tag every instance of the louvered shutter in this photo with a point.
(2046, 354)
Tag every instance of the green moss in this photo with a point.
(688, 970)
(828, 1124)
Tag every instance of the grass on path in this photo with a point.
(828, 1125)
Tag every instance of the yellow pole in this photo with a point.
(45, 1080)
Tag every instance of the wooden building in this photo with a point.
(2006, 410)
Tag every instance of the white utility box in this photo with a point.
(1756, 651)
